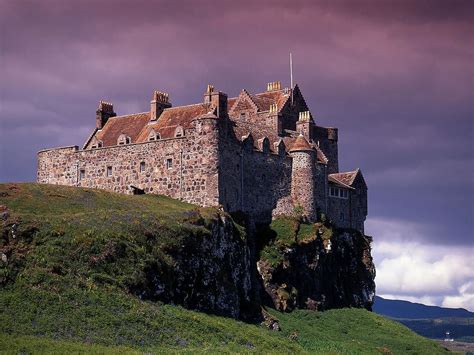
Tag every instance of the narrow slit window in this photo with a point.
(169, 163)
(142, 166)
(82, 174)
(109, 171)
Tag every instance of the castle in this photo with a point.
(262, 154)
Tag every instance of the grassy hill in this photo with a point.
(69, 256)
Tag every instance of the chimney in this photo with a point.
(103, 113)
(159, 102)
(305, 125)
(217, 100)
(276, 85)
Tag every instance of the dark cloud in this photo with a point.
(395, 76)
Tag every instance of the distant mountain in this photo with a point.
(429, 321)
(410, 310)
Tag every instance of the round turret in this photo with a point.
(303, 177)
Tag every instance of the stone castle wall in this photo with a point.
(182, 168)
(252, 180)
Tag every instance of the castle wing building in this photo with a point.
(262, 154)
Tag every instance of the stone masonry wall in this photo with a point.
(251, 180)
(348, 213)
(192, 176)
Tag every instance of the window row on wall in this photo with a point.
(338, 192)
(109, 170)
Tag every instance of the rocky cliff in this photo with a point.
(209, 269)
(160, 249)
(315, 266)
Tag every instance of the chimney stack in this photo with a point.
(159, 102)
(217, 100)
(276, 85)
(103, 113)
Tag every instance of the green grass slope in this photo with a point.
(67, 264)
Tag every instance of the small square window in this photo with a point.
(82, 174)
(109, 171)
(169, 163)
(142, 166)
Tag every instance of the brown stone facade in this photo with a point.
(262, 154)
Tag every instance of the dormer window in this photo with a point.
(179, 132)
(153, 136)
(95, 143)
(123, 139)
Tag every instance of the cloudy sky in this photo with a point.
(396, 77)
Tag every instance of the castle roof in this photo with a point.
(130, 125)
(300, 144)
(344, 179)
(139, 126)
(173, 117)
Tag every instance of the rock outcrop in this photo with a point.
(320, 270)
(210, 271)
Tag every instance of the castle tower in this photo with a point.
(303, 177)
(103, 113)
(159, 102)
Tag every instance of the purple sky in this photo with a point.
(396, 77)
